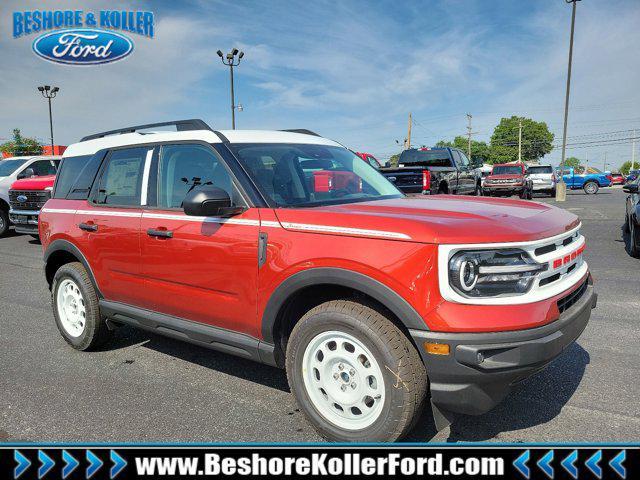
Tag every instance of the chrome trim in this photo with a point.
(24, 212)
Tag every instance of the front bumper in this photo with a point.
(25, 221)
(503, 188)
(543, 186)
(481, 367)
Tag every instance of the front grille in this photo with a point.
(35, 199)
(568, 301)
(554, 246)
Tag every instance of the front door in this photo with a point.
(466, 176)
(198, 268)
(108, 225)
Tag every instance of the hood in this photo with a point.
(441, 219)
(505, 176)
(34, 183)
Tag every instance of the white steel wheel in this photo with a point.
(343, 380)
(71, 308)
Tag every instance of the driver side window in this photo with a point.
(182, 168)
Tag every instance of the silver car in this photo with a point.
(543, 179)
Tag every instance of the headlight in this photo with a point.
(492, 273)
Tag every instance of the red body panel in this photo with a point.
(34, 183)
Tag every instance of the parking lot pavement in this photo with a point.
(145, 388)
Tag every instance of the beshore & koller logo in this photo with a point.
(82, 38)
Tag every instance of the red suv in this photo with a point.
(508, 179)
(288, 249)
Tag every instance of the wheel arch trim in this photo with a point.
(340, 277)
(68, 247)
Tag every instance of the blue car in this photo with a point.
(633, 174)
(589, 182)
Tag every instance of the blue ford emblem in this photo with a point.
(82, 46)
(22, 198)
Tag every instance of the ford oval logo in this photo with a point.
(82, 46)
(22, 198)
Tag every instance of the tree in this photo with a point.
(572, 162)
(626, 167)
(394, 159)
(479, 150)
(20, 145)
(537, 140)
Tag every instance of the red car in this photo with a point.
(234, 241)
(26, 198)
(617, 178)
(508, 179)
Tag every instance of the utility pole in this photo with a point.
(469, 116)
(561, 191)
(520, 140)
(49, 93)
(409, 132)
(604, 167)
(633, 151)
(232, 62)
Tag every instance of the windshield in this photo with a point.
(507, 170)
(7, 167)
(297, 175)
(541, 169)
(427, 158)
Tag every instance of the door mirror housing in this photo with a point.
(476, 163)
(28, 173)
(209, 201)
(630, 188)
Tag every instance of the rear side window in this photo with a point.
(540, 169)
(121, 179)
(73, 177)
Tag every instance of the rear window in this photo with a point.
(425, 158)
(75, 176)
(541, 169)
(507, 170)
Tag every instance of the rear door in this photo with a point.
(466, 175)
(202, 269)
(108, 225)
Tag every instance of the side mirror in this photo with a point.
(28, 173)
(209, 201)
(630, 188)
(475, 163)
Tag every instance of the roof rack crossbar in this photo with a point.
(181, 125)
(301, 130)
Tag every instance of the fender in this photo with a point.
(67, 246)
(345, 278)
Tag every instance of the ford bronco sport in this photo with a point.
(237, 241)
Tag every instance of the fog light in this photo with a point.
(437, 348)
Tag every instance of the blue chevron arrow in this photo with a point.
(94, 464)
(544, 464)
(592, 463)
(118, 464)
(521, 464)
(569, 464)
(70, 464)
(616, 464)
(23, 464)
(46, 463)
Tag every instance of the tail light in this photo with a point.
(426, 180)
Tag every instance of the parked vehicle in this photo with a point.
(230, 240)
(633, 174)
(434, 170)
(14, 168)
(483, 172)
(508, 179)
(632, 216)
(543, 179)
(26, 198)
(589, 182)
(617, 179)
(370, 159)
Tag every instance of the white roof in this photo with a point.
(90, 147)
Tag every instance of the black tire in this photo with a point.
(634, 239)
(95, 331)
(552, 194)
(591, 188)
(4, 221)
(478, 190)
(404, 374)
(35, 236)
(625, 227)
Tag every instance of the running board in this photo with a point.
(197, 333)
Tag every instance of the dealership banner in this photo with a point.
(372, 461)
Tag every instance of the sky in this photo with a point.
(349, 70)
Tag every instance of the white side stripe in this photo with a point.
(189, 218)
(58, 210)
(345, 230)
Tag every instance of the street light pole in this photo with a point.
(232, 61)
(561, 190)
(49, 93)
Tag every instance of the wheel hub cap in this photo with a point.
(71, 308)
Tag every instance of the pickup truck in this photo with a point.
(26, 197)
(435, 170)
(589, 182)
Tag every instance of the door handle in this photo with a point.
(152, 232)
(88, 227)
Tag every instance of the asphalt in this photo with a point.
(146, 388)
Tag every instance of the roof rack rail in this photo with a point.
(301, 130)
(181, 125)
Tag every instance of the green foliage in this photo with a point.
(20, 145)
(479, 150)
(394, 159)
(626, 166)
(573, 162)
(537, 140)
